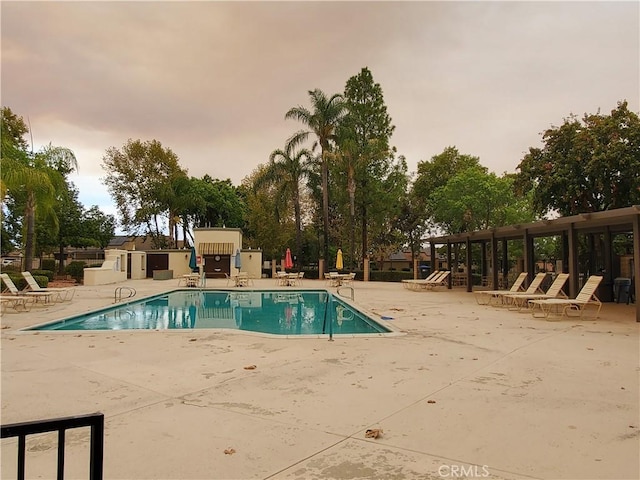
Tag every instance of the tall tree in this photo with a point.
(365, 132)
(286, 171)
(585, 166)
(321, 120)
(32, 179)
(139, 178)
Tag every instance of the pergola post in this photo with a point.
(572, 243)
(494, 262)
(469, 261)
(449, 265)
(636, 262)
(529, 264)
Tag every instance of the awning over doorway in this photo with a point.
(215, 248)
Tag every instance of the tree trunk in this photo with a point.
(30, 220)
(61, 262)
(325, 209)
(352, 213)
(298, 215)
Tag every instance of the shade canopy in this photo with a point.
(238, 260)
(339, 262)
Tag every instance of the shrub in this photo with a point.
(44, 273)
(18, 280)
(49, 264)
(76, 270)
(389, 276)
(42, 280)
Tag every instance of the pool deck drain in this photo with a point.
(467, 389)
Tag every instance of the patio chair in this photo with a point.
(503, 298)
(348, 280)
(485, 297)
(520, 301)
(331, 278)
(63, 294)
(46, 297)
(585, 298)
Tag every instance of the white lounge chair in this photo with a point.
(585, 298)
(501, 299)
(20, 303)
(439, 280)
(485, 297)
(520, 301)
(63, 294)
(410, 283)
(45, 297)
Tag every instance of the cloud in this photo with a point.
(213, 80)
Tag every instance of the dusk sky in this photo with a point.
(212, 81)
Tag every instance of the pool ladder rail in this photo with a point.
(351, 291)
(117, 295)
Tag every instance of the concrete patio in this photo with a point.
(468, 391)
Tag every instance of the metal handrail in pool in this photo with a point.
(117, 294)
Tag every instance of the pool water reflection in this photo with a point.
(305, 312)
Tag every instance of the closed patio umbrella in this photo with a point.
(339, 262)
(288, 261)
(192, 261)
(238, 261)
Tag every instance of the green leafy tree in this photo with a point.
(266, 227)
(215, 203)
(32, 179)
(140, 178)
(474, 199)
(436, 172)
(286, 171)
(364, 134)
(322, 121)
(585, 166)
(97, 227)
(411, 223)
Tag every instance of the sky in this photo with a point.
(212, 81)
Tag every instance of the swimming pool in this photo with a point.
(304, 312)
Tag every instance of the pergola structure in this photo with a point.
(599, 229)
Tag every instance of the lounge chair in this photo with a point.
(503, 298)
(439, 280)
(587, 297)
(62, 294)
(20, 303)
(485, 297)
(520, 301)
(410, 283)
(45, 297)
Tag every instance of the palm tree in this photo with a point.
(286, 170)
(39, 177)
(322, 121)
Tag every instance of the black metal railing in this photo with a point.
(61, 425)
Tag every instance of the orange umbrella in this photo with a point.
(288, 262)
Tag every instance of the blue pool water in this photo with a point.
(304, 312)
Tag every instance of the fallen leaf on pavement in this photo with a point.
(250, 367)
(373, 433)
(229, 451)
